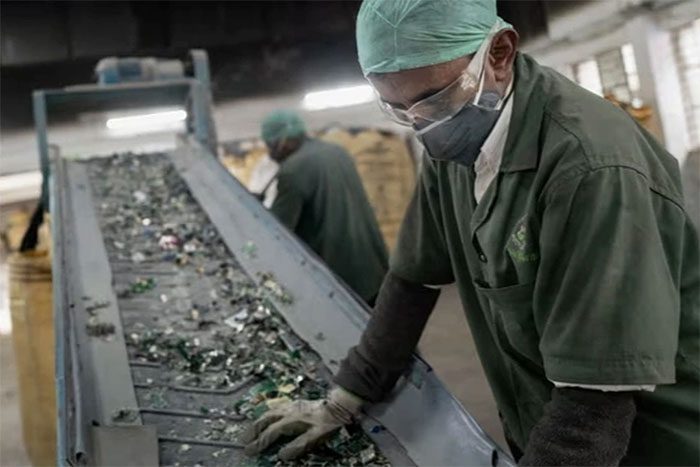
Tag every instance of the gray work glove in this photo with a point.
(309, 422)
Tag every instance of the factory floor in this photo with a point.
(446, 344)
(12, 452)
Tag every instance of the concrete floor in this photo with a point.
(11, 448)
(12, 452)
(448, 346)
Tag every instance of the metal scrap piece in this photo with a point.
(92, 309)
(204, 334)
(125, 415)
(206, 442)
(96, 328)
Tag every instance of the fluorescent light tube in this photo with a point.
(340, 97)
(146, 122)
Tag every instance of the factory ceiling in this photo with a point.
(255, 48)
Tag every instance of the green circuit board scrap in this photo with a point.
(228, 336)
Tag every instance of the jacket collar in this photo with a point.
(522, 145)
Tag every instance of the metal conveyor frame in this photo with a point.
(430, 424)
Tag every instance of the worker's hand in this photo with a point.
(309, 422)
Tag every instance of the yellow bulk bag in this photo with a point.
(33, 342)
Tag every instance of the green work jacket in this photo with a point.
(320, 198)
(579, 265)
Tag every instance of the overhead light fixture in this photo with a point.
(340, 97)
(147, 123)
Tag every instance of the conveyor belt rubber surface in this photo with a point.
(207, 348)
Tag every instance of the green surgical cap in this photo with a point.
(395, 35)
(282, 124)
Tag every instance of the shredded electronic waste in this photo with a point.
(208, 349)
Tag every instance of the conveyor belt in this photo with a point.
(182, 299)
(178, 286)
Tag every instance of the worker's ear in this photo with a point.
(502, 54)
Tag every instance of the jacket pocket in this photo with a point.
(514, 321)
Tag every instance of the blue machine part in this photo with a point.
(115, 70)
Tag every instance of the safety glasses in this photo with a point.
(447, 102)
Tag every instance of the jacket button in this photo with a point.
(482, 258)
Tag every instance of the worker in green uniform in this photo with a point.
(320, 198)
(563, 225)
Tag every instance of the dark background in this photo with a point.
(255, 48)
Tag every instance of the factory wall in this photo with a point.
(602, 26)
(574, 35)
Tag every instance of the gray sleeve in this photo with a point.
(288, 203)
(371, 368)
(582, 427)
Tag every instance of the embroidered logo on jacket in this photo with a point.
(521, 247)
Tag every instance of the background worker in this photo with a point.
(320, 198)
(561, 221)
